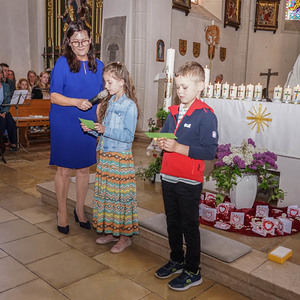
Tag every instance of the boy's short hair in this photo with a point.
(191, 69)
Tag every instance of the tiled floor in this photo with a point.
(38, 262)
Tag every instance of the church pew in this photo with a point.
(34, 112)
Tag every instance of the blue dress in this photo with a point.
(70, 146)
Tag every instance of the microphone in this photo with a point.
(95, 100)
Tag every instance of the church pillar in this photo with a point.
(138, 52)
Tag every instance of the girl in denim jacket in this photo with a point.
(114, 203)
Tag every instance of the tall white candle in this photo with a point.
(225, 90)
(249, 92)
(207, 75)
(217, 90)
(287, 94)
(233, 91)
(296, 94)
(169, 78)
(258, 92)
(210, 91)
(277, 93)
(241, 92)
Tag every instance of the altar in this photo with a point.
(271, 125)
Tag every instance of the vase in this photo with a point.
(243, 194)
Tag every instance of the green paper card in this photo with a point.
(88, 123)
(167, 135)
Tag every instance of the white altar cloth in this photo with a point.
(279, 132)
(277, 123)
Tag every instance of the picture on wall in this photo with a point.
(184, 5)
(160, 50)
(266, 16)
(232, 13)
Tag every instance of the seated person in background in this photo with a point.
(41, 90)
(32, 79)
(7, 122)
(219, 78)
(11, 75)
(24, 85)
(12, 84)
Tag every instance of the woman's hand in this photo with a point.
(99, 127)
(84, 128)
(83, 104)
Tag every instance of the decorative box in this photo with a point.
(262, 211)
(237, 218)
(209, 214)
(293, 211)
(284, 226)
(280, 254)
(269, 225)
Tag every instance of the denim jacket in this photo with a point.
(120, 124)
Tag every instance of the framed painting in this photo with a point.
(184, 5)
(59, 13)
(232, 13)
(160, 50)
(266, 15)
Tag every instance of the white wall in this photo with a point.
(192, 29)
(22, 31)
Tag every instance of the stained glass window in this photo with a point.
(292, 11)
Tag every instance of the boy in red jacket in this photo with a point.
(195, 126)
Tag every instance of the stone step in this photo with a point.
(252, 274)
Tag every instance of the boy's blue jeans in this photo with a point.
(181, 202)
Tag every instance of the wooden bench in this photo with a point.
(34, 112)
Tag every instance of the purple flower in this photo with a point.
(239, 162)
(251, 142)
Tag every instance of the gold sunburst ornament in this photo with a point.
(259, 118)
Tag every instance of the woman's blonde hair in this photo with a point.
(20, 82)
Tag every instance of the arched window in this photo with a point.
(292, 10)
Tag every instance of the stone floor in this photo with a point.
(38, 262)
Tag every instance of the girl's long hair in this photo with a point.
(73, 62)
(119, 71)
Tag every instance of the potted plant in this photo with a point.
(161, 116)
(153, 168)
(234, 163)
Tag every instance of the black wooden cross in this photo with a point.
(269, 74)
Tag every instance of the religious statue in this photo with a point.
(77, 9)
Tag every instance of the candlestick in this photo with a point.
(225, 90)
(258, 92)
(249, 92)
(287, 94)
(277, 93)
(296, 94)
(233, 91)
(217, 90)
(241, 92)
(209, 91)
(169, 78)
(207, 75)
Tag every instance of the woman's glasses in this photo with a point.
(84, 43)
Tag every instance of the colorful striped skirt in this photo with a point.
(114, 203)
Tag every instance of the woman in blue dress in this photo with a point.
(75, 78)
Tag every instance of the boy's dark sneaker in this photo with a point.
(185, 280)
(172, 267)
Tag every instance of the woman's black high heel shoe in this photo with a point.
(64, 230)
(85, 225)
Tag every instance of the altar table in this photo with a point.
(274, 126)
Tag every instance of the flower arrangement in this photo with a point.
(246, 159)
